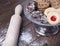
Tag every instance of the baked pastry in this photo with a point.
(55, 3)
(53, 18)
(51, 9)
(42, 4)
(58, 10)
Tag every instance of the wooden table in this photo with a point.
(6, 10)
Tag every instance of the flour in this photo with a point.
(34, 44)
(2, 39)
(2, 35)
(27, 37)
(43, 42)
(39, 43)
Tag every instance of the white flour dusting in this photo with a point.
(43, 42)
(40, 43)
(35, 44)
(27, 37)
(2, 35)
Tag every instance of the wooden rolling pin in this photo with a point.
(14, 28)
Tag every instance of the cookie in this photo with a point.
(53, 18)
(55, 3)
(42, 4)
(48, 10)
(51, 9)
(58, 10)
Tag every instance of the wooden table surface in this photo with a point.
(7, 10)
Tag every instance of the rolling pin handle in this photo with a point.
(18, 10)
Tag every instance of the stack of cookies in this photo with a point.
(51, 9)
(43, 4)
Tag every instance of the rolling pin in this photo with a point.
(14, 28)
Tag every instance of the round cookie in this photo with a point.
(48, 10)
(53, 18)
(58, 10)
(55, 3)
(42, 4)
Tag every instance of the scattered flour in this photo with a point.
(41, 43)
(27, 37)
(2, 35)
(35, 44)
